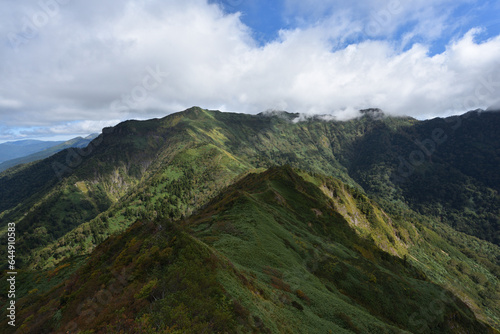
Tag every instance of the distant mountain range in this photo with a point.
(26, 151)
(214, 222)
(21, 148)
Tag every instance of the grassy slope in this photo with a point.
(456, 182)
(284, 218)
(181, 161)
(202, 152)
(271, 254)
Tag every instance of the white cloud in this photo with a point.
(378, 18)
(91, 54)
(61, 131)
(71, 128)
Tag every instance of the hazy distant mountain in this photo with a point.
(21, 148)
(77, 142)
(204, 221)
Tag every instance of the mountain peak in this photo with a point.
(194, 110)
(197, 112)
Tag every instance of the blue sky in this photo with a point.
(70, 68)
(267, 18)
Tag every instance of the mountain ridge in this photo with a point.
(173, 168)
(313, 243)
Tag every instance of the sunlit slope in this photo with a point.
(273, 253)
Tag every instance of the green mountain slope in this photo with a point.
(446, 168)
(369, 151)
(136, 152)
(273, 253)
(206, 150)
(168, 169)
